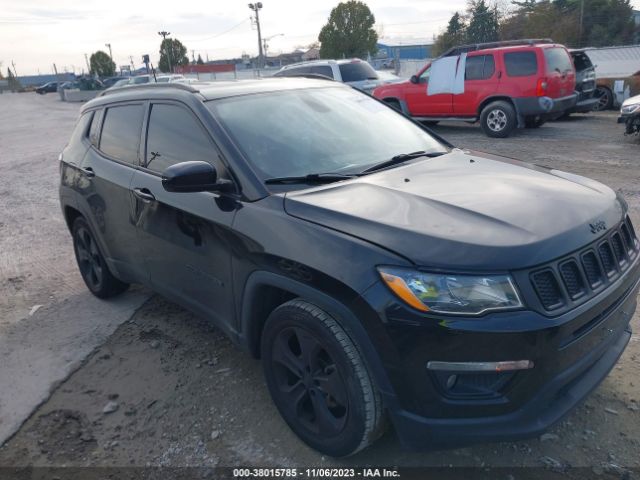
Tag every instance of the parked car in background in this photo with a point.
(140, 79)
(120, 83)
(47, 88)
(506, 85)
(169, 78)
(612, 92)
(376, 270)
(585, 82)
(111, 81)
(355, 72)
(630, 115)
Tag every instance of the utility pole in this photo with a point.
(256, 8)
(164, 34)
(13, 64)
(110, 54)
(266, 41)
(86, 59)
(581, 21)
(193, 56)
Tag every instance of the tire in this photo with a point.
(605, 99)
(93, 268)
(533, 122)
(318, 380)
(395, 104)
(498, 119)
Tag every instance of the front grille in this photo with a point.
(606, 256)
(572, 279)
(592, 269)
(548, 289)
(578, 277)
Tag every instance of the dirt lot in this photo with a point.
(167, 389)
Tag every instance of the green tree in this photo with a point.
(13, 82)
(349, 31)
(101, 64)
(199, 61)
(483, 22)
(172, 54)
(455, 34)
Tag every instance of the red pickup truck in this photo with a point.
(506, 85)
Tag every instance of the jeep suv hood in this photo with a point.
(464, 210)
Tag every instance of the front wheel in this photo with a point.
(318, 380)
(498, 119)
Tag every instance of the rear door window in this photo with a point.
(120, 138)
(175, 136)
(324, 70)
(357, 71)
(292, 72)
(479, 67)
(521, 64)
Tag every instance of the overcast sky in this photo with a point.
(36, 33)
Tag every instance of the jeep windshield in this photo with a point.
(337, 130)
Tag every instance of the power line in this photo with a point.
(219, 34)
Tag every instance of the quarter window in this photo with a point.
(82, 126)
(521, 64)
(120, 137)
(176, 136)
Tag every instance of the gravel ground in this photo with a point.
(167, 389)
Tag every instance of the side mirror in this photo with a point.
(414, 79)
(193, 177)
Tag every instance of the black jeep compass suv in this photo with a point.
(375, 269)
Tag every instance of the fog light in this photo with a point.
(451, 381)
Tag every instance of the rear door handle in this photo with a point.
(88, 171)
(144, 194)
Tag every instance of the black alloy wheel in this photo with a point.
(318, 380)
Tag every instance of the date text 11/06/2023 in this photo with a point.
(242, 473)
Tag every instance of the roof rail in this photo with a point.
(152, 85)
(485, 46)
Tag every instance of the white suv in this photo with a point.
(355, 72)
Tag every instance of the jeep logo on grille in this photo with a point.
(597, 226)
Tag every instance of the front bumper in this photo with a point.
(572, 354)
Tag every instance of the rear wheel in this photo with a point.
(605, 99)
(498, 119)
(318, 380)
(93, 268)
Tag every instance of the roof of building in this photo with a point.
(405, 42)
(613, 62)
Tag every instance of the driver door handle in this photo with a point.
(144, 194)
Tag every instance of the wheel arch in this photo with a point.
(403, 105)
(264, 291)
(70, 215)
(496, 98)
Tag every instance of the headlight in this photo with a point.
(453, 294)
(626, 109)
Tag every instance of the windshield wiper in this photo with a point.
(310, 178)
(401, 158)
